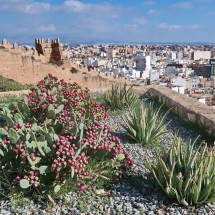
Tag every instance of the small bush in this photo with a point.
(9, 99)
(119, 97)
(186, 174)
(49, 138)
(73, 70)
(145, 124)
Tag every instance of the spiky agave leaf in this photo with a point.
(191, 178)
(119, 97)
(147, 122)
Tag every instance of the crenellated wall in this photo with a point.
(186, 107)
(20, 67)
(29, 70)
(50, 50)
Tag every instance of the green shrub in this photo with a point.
(9, 99)
(186, 174)
(50, 137)
(145, 124)
(119, 97)
(11, 85)
(73, 70)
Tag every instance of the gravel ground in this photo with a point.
(136, 194)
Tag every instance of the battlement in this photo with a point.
(56, 41)
(51, 50)
(5, 44)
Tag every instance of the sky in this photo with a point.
(123, 21)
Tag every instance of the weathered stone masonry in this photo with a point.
(187, 108)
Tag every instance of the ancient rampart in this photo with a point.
(187, 108)
(22, 68)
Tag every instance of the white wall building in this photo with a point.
(148, 62)
(172, 55)
(90, 62)
(161, 70)
(202, 100)
(179, 55)
(175, 89)
(145, 74)
(102, 54)
(179, 81)
(195, 83)
(153, 75)
(178, 89)
(197, 55)
(181, 90)
(134, 73)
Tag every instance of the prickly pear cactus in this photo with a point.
(51, 136)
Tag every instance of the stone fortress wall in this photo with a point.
(32, 66)
(187, 108)
(18, 65)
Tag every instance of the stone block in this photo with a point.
(187, 108)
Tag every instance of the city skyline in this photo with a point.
(108, 21)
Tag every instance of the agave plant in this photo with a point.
(119, 97)
(145, 124)
(186, 174)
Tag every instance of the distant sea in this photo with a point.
(143, 43)
(130, 43)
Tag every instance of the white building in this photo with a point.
(197, 55)
(161, 70)
(90, 61)
(195, 82)
(145, 74)
(102, 54)
(181, 90)
(153, 75)
(178, 89)
(172, 56)
(202, 100)
(153, 56)
(179, 55)
(134, 73)
(179, 81)
(148, 62)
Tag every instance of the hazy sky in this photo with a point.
(114, 21)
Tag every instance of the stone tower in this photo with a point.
(56, 50)
(50, 50)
